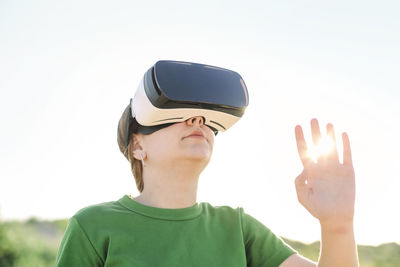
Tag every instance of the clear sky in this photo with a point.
(68, 70)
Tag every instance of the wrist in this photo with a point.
(337, 227)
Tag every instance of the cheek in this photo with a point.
(161, 144)
(210, 136)
(212, 141)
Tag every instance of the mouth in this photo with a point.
(196, 134)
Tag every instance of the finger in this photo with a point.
(333, 154)
(315, 132)
(346, 150)
(302, 146)
(303, 186)
(302, 180)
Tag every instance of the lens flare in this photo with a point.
(324, 147)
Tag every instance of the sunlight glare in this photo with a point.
(323, 148)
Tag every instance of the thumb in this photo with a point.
(301, 180)
(303, 187)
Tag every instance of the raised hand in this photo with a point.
(326, 187)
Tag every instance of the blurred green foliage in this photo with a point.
(7, 251)
(30, 243)
(35, 243)
(385, 255)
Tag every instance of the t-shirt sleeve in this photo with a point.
(263, 247)
(76, 249)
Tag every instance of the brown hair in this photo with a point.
(136, 166)
(127, 151)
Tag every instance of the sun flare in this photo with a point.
(324, 147)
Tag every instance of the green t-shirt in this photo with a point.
(128, 233)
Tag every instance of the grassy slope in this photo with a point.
(36, 243)
(385, 255)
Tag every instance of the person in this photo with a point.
(166, 226)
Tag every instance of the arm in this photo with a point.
(76, 249)
(263, 247)
(338, 248)
(326, 188)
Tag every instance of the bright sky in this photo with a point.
(68, 70)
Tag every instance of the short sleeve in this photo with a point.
(76, 249)
(263, 247)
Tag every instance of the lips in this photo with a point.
(196, 133)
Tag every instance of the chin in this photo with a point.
(201, 155)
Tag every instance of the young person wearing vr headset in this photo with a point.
(167, 134)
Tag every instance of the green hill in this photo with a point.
(35, 243)
(30, 243)
(385, 255)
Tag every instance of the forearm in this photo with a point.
(338, 246)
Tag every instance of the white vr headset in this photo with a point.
(174, 91)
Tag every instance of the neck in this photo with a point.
(174, 187)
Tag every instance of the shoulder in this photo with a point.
(219, 208)
(225, 210)
(97, 213)
(222, 211)
(247, 222)
(94, 209)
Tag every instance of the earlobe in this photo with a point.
(139, 154)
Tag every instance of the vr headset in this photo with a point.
(174, 91)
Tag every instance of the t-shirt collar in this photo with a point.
(161, 213)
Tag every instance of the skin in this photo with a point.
(183, 157)
(174, 162)
(329, 196)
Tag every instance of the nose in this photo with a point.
(195, 120)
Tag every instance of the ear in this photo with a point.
(138, 151)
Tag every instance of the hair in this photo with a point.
(127, 151)
(136, 166)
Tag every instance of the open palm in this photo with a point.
(326, 187)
